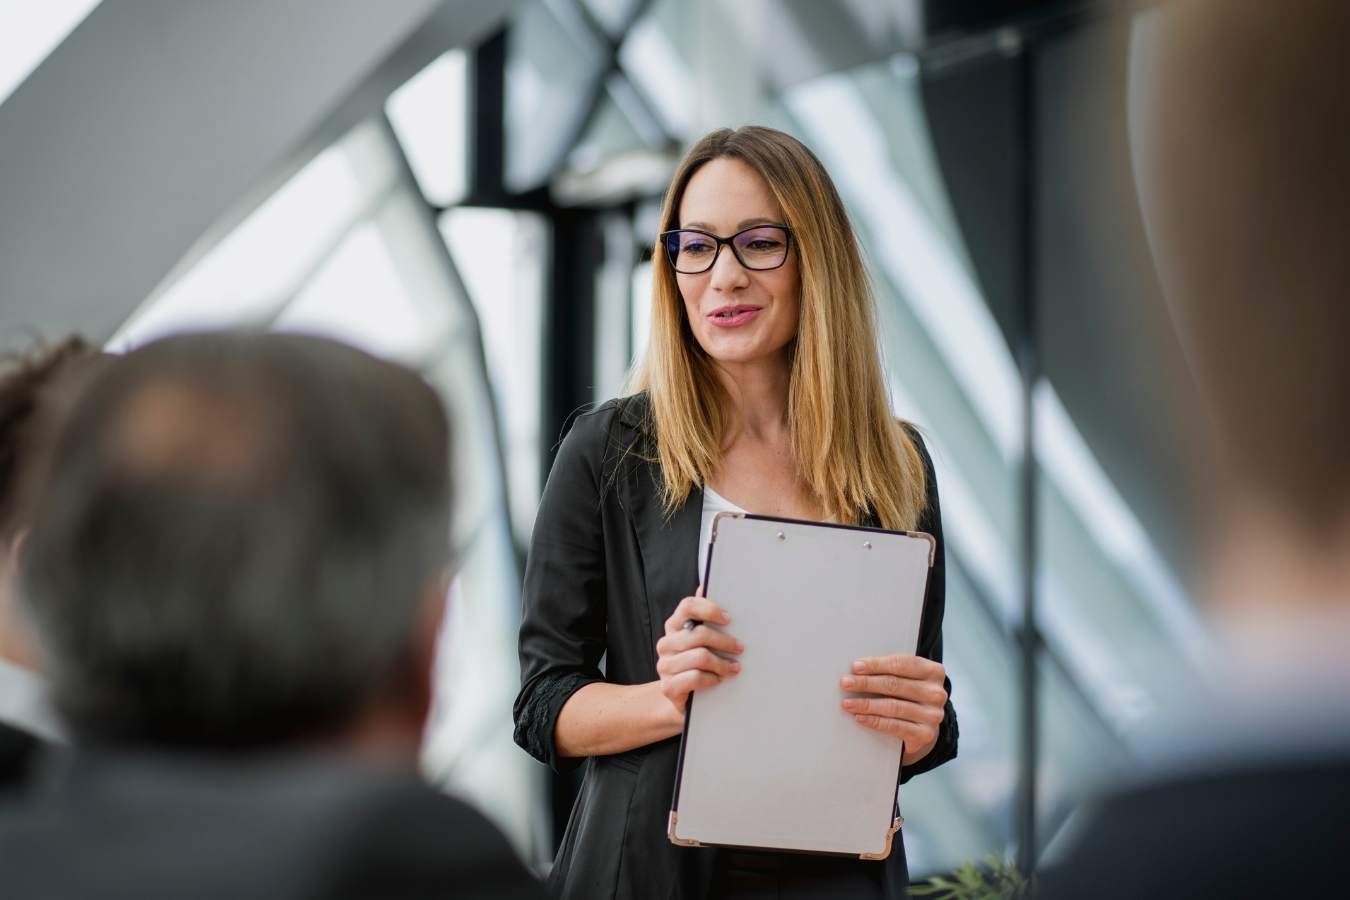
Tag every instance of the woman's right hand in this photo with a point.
(690, 659)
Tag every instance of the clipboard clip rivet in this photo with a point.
(781, 536)
(867, 545)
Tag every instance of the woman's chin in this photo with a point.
(737, 350)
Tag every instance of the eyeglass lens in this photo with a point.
(761, 247)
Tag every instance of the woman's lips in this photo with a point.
(733, 316)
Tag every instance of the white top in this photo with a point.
(713, 503)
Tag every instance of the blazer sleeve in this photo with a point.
(562, 632)
(930, 630)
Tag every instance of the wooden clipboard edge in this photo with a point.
(885, 852)
(679, 841)
(932, 545)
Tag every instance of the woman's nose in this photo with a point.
(727, 272)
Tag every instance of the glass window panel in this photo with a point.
(429, 117)
(247, 276)
(609, 134)
(642, 308)
(359, 297)
(624, 155)
(468, 747)
(614, 308)
(652, 59)
(29, 32)
(554, 64)
(501, 255)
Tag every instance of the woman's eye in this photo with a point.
(696, 247)
(764, 244)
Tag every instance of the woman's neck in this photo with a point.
(757, 394)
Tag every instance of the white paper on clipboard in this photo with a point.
(769, 759)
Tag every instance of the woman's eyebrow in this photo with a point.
(745, 223)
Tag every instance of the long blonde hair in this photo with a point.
(855, 456)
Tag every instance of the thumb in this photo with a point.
(699, 591)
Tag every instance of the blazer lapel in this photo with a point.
(669, 546)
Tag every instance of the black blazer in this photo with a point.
(606, 568)
(121, 826)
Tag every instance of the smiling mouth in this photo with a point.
(733, 315)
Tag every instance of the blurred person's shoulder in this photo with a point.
(297, 827)
(1270, 831)
(1243, 798)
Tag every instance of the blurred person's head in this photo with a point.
(33, 384)
(242, 543)
(794, 271)
(1244, 166)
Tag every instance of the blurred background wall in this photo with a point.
(472, 187)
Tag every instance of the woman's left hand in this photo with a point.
(910, 703)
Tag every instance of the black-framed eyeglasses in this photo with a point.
(759, 248)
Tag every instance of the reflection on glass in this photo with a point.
(642, 307)
(429, 116)
(666, 79)
(358, 297)
(612, 14)
(246, 276)
(500, 255)
(554, 63)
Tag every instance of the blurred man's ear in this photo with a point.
(17, 644)
(426, 642)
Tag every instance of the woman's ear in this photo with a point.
(14, 548)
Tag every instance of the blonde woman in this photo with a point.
(761, 390)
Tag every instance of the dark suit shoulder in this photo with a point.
(305, 828)
(405, 839)
(19, 750)
(1273, 830)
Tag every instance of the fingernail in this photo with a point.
(850, 704)
(859, 666)
(738, 647)
(859, 719)
(735, 667)
(847, 681)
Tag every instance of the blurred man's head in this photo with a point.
(33, 385)
(241, 542)
(1245, 170)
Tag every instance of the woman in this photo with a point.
(762, 390)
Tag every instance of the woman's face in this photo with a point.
(738, 315)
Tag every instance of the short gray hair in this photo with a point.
(234, 539)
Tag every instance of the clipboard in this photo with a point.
(768, 759)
